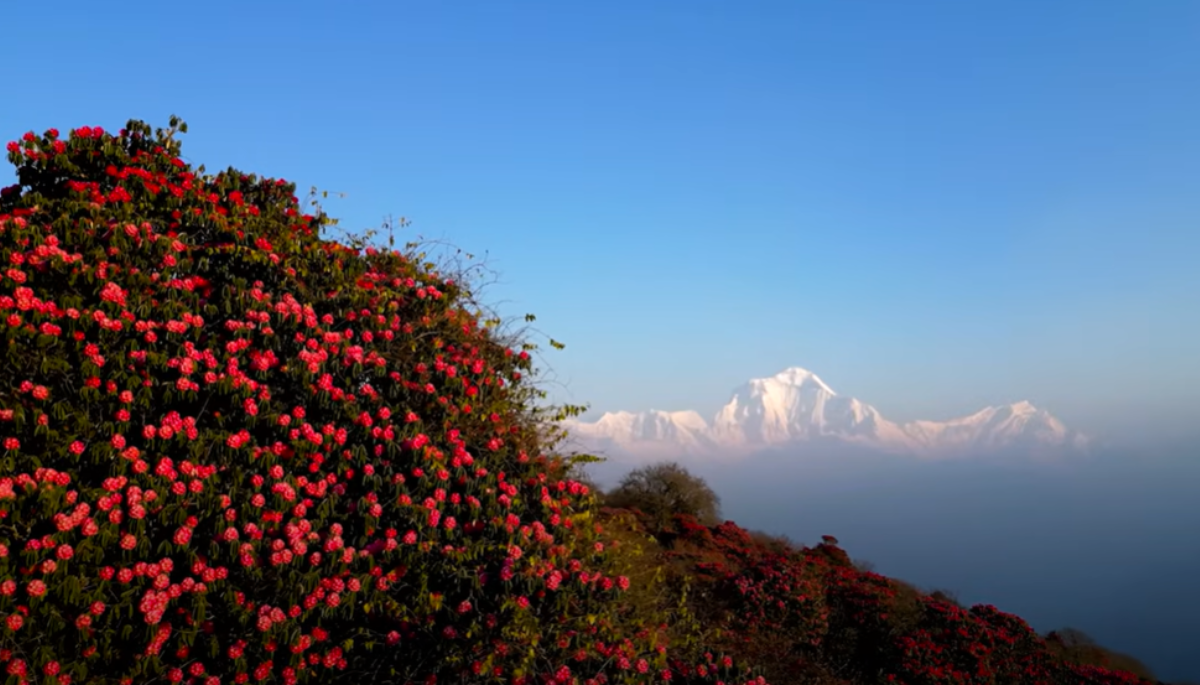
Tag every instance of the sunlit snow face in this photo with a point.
(796, 405)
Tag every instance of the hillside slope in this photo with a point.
(809, 615)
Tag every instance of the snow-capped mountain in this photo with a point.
(682, 429)
(795, 406)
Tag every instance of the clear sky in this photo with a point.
(933, 205)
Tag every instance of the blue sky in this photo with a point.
(933, 205)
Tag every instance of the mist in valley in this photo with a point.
(1108, 544)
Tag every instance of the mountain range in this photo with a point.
(795, 407)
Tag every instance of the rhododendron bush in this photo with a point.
(232, 450)
(807, 615)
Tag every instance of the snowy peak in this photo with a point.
(795, 405)
(653, 424)
(798, 377)
(1022, 407)
(685, 431)
(1017, 424)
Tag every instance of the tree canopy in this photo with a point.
(663, 490)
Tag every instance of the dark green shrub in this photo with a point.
(665, 490)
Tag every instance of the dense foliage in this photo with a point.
(807, 615)
(663, 490)
(232, 450)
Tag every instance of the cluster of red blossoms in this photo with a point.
(232, 451)
(808, 615)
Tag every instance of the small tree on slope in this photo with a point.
(232, 451)
(664, 490)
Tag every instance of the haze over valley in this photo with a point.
(1005, 505)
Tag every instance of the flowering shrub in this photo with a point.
(233, 451)
(1077, 648)
(807, 615)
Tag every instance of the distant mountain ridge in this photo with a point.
(795, 406)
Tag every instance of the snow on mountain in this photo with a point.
(682, 427)
(795, 405)
(1017, 425)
